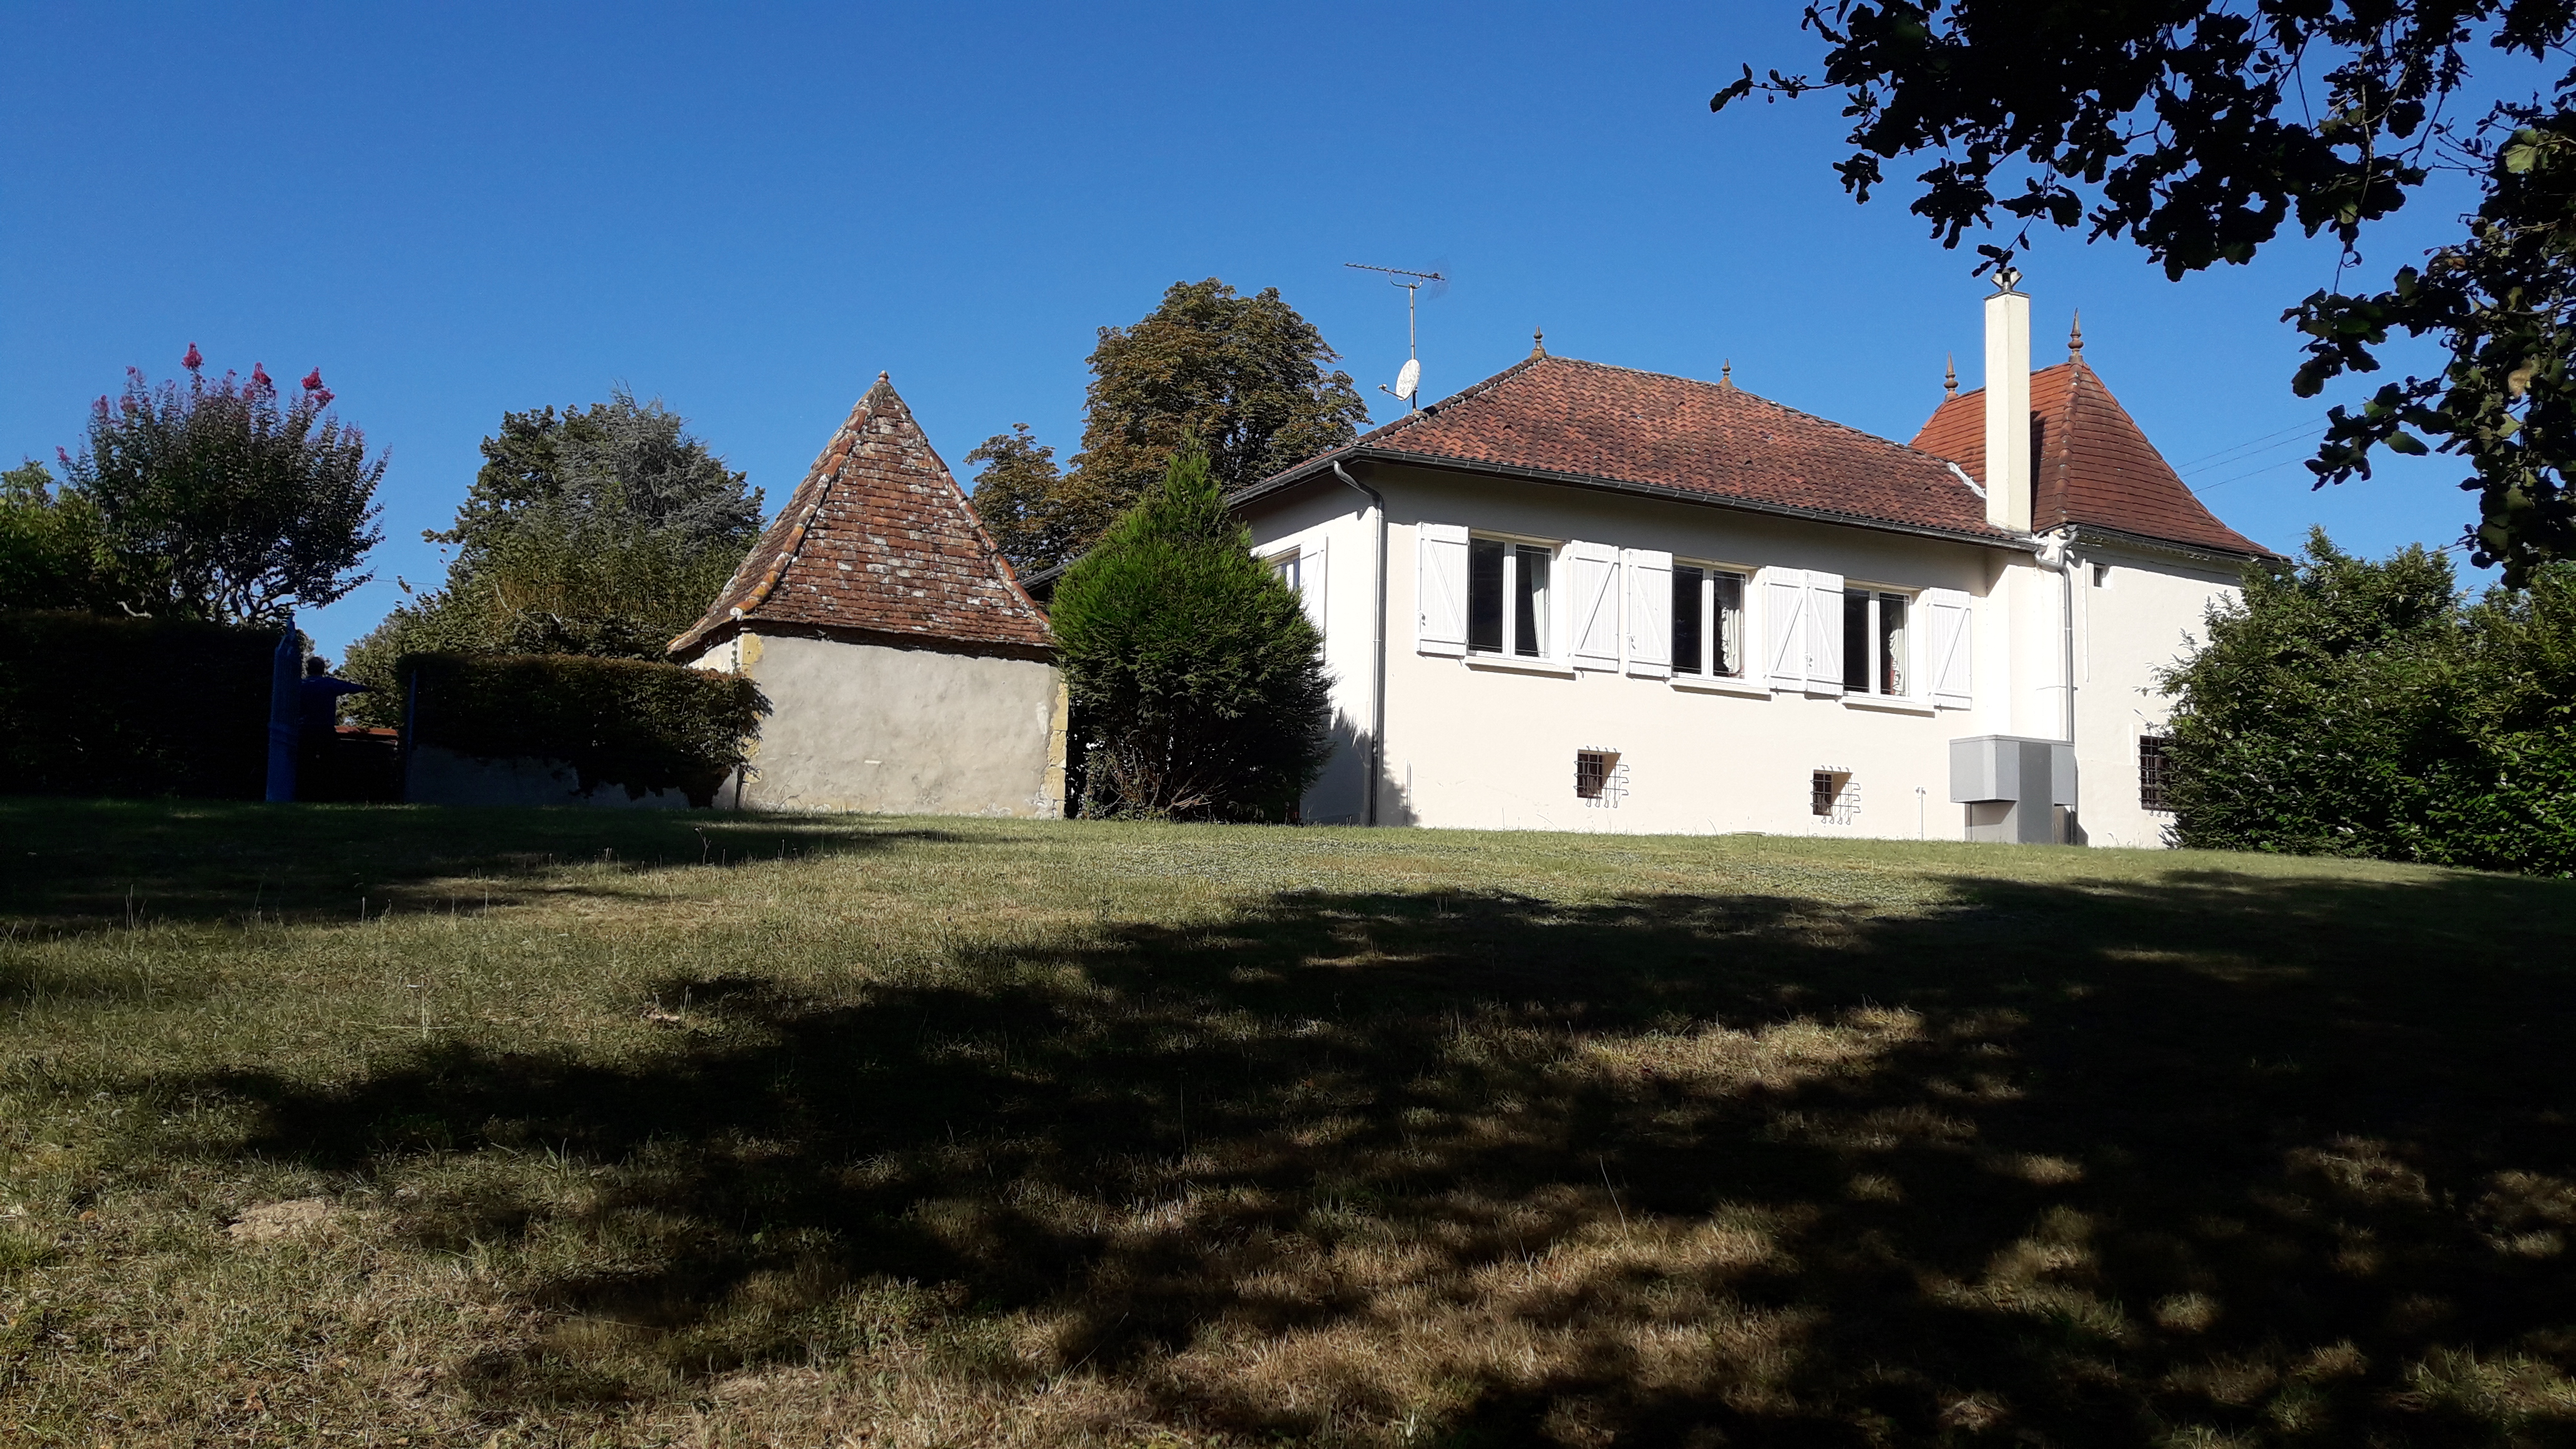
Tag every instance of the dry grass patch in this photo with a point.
(351, 1126)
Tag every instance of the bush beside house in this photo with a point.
(1197, 680)
(2359, 708)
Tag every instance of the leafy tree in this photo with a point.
(601, 531)
(2198, 131)
(1020, 495)
(222, 504)
(1195, 675)
(2356, 708)
(53, 548)
(1239, 379)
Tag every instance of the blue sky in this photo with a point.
(749, 211)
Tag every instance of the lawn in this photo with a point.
(351, 1125)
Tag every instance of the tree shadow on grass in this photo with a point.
(2091, 1164)
(82, 864)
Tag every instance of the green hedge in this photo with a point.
(93, 704)
(626, 722)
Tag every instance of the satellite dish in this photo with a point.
(1409, 379)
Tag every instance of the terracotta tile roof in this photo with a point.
(1586, 422)
(880, 539)
(2090, 463)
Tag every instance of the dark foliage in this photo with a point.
(644, 726)
(602, 531)
(2359, 709)
(2199, 131)
(132, 707)
(219, 504)
(54, 552)
(1240, 379)
(1198, 678)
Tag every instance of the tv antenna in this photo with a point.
(1408, 383)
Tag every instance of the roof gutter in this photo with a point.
(1646, 490)
(1377, 646)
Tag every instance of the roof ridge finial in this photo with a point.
(1950, 377)
(2075, 341)
(1538, 343)
(1726, 373)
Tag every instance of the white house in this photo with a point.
(905, 667)
(1582, 597)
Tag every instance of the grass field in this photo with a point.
(376, 1126)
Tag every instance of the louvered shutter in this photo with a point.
(1440, 588)
(1782, 596)
(1824, 632)
(1950, 643)
(1592, 622)
(1650, 613)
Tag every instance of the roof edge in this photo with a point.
(1308, 471)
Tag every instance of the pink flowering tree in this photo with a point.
(225, 501)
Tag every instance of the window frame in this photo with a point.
(1881, 657)
(1710, 621)
(1550, 648)
(2155, 773)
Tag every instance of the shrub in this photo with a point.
(97, 705)
(626, 722)
(2356, 708)
(1195, 672)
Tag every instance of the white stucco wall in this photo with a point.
(1475, 743)
(916, 731)
(2146, 613)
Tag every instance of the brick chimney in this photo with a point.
(2008, 404)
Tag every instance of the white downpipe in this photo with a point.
(1377, 649)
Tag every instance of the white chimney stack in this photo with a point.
(2008, 404)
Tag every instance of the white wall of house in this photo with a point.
(1485, 742)
(2136, 611)
(906, 731)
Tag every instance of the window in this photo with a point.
(1825, 790)
(1708, 621)
(1591, 773)
(1291, 571)
(1507, 597)
(1874, 643)
(2101, 576)
(2152, 773)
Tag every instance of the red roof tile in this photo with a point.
(2090, 463)
(1588, 422)
(880, 539)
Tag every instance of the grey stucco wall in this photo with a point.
(909, 731)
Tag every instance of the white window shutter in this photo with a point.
(1592, 602)
(1650, 613)
(1440, 588)
(1949, 663)
(1781, 595)
(1824, 632)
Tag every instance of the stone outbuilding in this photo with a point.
(906, 669)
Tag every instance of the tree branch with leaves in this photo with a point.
(2198, 131)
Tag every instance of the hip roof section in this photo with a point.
(1586, 422)
(880, 539)
(2090, 463)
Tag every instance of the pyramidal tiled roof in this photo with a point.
(880, 540)
(1592, 424)
(2090, 463)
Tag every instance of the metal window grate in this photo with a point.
(1825, 786)
(1591, 773)
(2154, 773)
